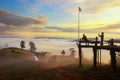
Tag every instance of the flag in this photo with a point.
(79, 9)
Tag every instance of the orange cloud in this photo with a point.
(9, 18)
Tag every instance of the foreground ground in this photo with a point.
(49, 69)
(34, 71)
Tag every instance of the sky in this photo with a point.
(59, 18)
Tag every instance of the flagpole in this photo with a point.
(79, 9)
(79, 40)
(78, 25)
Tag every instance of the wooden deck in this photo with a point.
(96, 45)
(106, 47)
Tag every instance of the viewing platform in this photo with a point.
(97, 46)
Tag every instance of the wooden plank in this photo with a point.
(116, 48)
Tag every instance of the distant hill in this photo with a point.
(51, 38)
(10, 37)
(115, 40)
(13, 55)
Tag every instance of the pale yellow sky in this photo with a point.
(42, 18)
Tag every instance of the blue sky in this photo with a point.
(31, 18)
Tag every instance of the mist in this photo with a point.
(54, 47)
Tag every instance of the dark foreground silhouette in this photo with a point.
(20, 65)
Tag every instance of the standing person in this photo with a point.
(102, 38)
(22, 44)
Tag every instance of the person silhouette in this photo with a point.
(84, 38)
(102, 38)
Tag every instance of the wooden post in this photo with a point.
(80, 54)
(95, 55)
(100, 58)
(113, 57)
(94, 58)
(113, 60)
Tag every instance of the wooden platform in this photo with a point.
(106, 47)
(96, 45)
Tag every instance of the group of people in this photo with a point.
(85, 39)
(31, 44)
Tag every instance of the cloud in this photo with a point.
(4, 28)
(9, 18)
(50, 29)
(40, 3)
(96, 6)
(36, 5)
(56, 28)
(88, 6)
(92, 6)
(11, 22)
(2, 25)
(109, 27)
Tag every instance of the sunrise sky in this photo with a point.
(59, 18)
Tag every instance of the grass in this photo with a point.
(103, 73)
(23, 71)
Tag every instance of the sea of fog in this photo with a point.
(55, 46)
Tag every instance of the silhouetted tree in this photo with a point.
(63, 52)
(32, 46)
(22, 44)
(72, 51)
